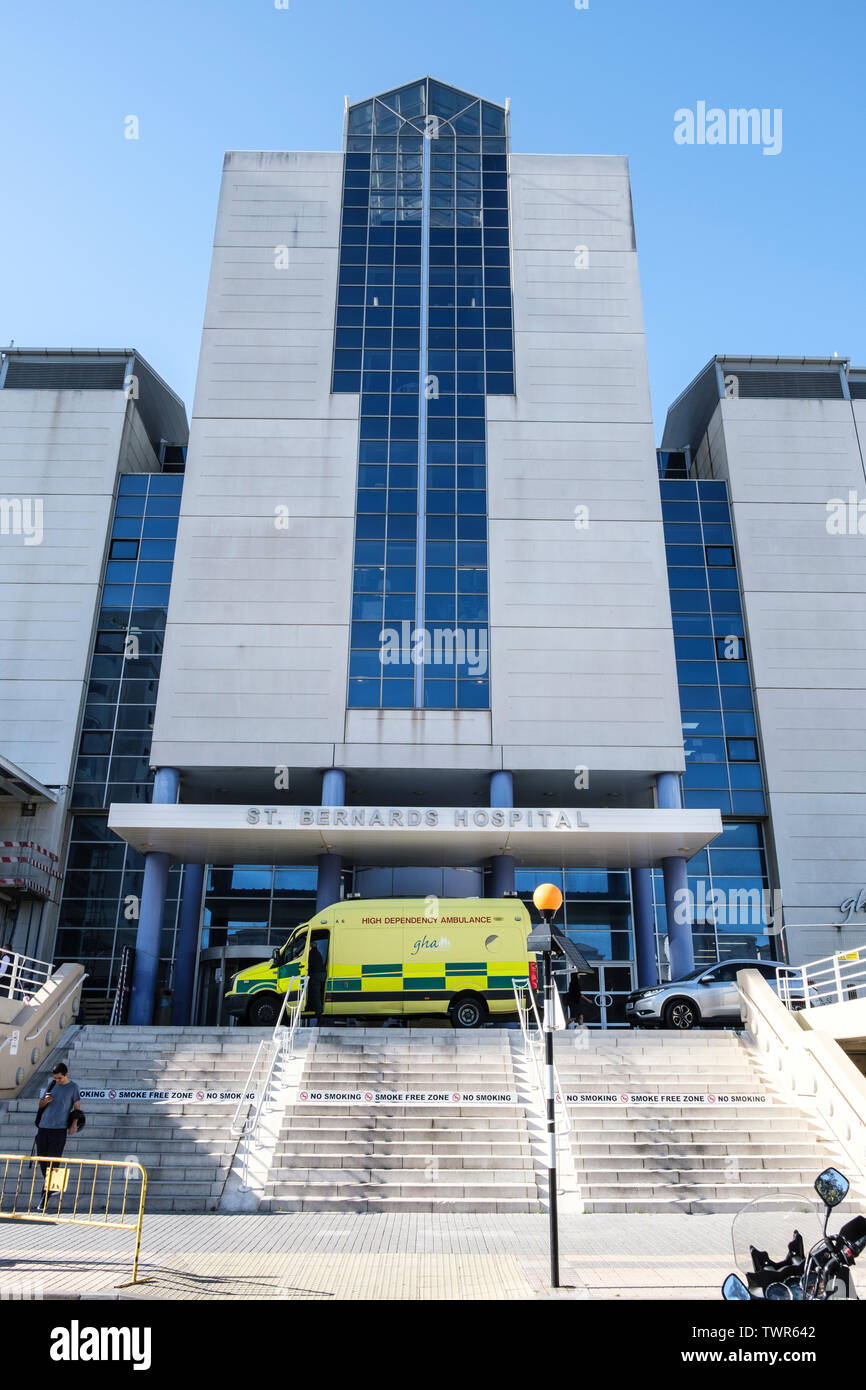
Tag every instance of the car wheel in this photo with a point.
(681, 1014)
(264, 1010)
(468, 1011)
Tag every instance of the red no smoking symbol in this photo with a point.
(199, 1095)
(623, 1098)
(305, 1095)
(456, 1095)
(112, 1095)
(368, 1095)
(711, 1099)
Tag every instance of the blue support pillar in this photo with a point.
(328, 882)
(334, 787)
(330, 865)
(187, 945)
(644, 928)
(165, 789)
(502, 865)
(681, 946)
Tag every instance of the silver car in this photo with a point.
(707, 995)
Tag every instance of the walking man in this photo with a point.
(55, 1107)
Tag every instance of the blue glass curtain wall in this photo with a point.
(103, 880)
(723, 767)
(423, 334)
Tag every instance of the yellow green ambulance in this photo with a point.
(398, 957)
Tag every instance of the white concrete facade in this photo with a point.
(804, 600)
(61, 453)
(256, 656)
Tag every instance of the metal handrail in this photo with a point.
(835, 979)
(279, 1043)
(22, 976)
(523, 1011)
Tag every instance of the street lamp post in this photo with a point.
(548, 899)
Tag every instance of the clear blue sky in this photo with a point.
(106, 241)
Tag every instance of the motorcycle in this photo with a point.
(822, 1273)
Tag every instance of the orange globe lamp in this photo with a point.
(547, 899)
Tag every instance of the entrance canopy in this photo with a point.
(535, 836)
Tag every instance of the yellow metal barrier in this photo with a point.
(67, 1197)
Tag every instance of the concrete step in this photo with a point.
(367, 1205)
(664, 1206)
(400, 1148)
(114, 1145)
(690, 1190)
(618, 1154)
(445, 1126)
(420, 1190)
(769, 1172)
(285, 1164)
(408, 1116)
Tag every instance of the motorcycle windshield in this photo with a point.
(767, 1224)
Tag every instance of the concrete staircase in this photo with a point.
(684, 1158)
(398, 1157)
(363, 1157)
(187, 1149)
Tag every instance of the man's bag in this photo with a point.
(56, 1179)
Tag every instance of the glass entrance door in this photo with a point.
(217, 965)
(605, 992)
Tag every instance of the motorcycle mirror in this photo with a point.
(734, 1290)
(831, 1186)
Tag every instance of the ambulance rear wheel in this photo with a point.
(264, 1010)
(468, 1011)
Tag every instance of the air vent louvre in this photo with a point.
(24, 375)
(794, 386)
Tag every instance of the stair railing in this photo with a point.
(835, 979)
(526, 1012)
(280, 1046)
(22, 976)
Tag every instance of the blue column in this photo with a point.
(328, 883)
(502, 865)
(334, 787)
(681, 946)
(165, 789)
(187, 944)
(330, 865)
(644, 927)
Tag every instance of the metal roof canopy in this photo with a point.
(20, 785)
(536, 837)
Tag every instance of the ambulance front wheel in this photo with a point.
(264, 1010)
(468, 1011)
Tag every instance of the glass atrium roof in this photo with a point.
(428, 107)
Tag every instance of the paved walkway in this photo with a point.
(388, 1256)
